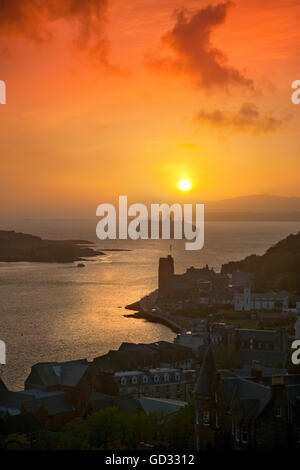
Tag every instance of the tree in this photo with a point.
(74, 435)
(17, 442)
(105, 428)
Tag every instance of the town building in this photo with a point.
(247, 413)
(131, 356)
(77, 379)
(201, 285)
(247, 301)
(158, 383)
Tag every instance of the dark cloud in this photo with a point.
(247, 119)
(34, 20)
(190, 41)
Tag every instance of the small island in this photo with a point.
(24, 247)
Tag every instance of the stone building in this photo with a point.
(158, 383)
(247, 301)
(248, 413)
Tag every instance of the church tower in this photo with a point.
(206, 395)
(165, 276)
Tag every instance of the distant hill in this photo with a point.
(260, 203)
(23, 247)
(278, 269)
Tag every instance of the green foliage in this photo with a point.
(16, 442)
(178, 431)
(74, 435)
(278, 269)
(108, 429)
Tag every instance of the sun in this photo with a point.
(184, 185)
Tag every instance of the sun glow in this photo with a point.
(184, 185)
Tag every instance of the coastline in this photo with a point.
(143, 310)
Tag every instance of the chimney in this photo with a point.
(256, 369)
(277, 380)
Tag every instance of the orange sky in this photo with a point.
(106, 97)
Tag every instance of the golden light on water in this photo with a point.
(184, 185)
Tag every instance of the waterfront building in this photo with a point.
(131, 356)
(247, 301)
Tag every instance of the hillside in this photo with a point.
(278, 269)
(23, 247)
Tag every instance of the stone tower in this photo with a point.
(206, 395)
(165, 276)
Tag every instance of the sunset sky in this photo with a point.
(106, 97)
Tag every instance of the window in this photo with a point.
(167, 377)
(277, 412)
(217, 421)
(244, 434)
(237, 433)
(216, 397)
(206, 418)
(156, 379)
(145, 379)
(134, 379)
(233, 427)
(123, 381)
(177, 376)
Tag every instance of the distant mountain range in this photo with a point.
(256, 203)
(255, 208)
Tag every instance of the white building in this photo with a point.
(248, 301)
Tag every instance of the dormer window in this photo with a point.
(206, 418)
(277, 412)
(237, 433)
(244, 435)
(123, 381)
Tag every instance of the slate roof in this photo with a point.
(2, 385)
(53, 404)
(56, 373)
(13, 402)
(207, 373)
(160, 407)
(131, 355)
(253, 396)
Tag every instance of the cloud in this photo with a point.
(194, 53)
(35, 19)
(247, 119)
